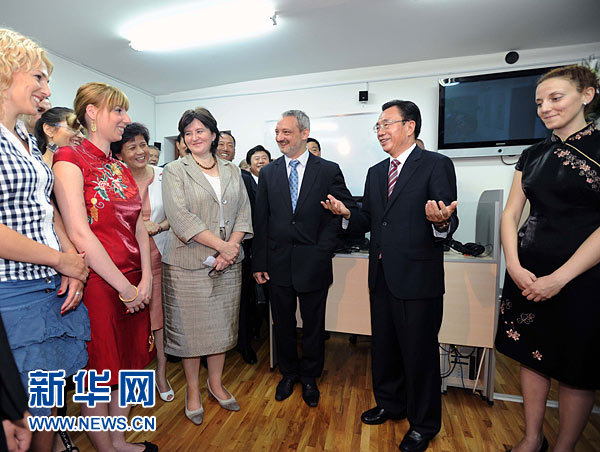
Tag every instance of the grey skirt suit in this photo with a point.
(201, 313)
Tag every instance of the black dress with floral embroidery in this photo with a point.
(559, 337)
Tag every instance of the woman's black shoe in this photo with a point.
(148, 446)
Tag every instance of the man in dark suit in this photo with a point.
(256, 158)
(250, 318)
(409, 206)
(293, 245)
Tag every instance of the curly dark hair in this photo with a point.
(131, 131)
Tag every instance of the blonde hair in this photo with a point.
(99, 95)
(18, 54)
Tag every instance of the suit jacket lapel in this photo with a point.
(406, 171)
(381, 175)
(224, 173)
(310, 174)
(281, 182)
(253, 184)
(196, 174)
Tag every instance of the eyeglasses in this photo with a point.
(70, 129)
(386, 124)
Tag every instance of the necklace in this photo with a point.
(207, 167)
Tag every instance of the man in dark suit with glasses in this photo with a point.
(409, 206)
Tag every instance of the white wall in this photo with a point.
(246, 107)
(68, 76)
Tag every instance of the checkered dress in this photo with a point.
(25, 188)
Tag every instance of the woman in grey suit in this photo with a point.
(207, 207)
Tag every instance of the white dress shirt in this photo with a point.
(401, 161)
(303, 159)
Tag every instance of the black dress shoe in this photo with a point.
(379, 415)
(310, 394)
(249, 355)
(413, 441)
(285, 388)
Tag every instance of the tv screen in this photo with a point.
(493, 111)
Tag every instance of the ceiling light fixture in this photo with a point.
(200, 25)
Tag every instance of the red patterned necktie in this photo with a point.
(392, 176)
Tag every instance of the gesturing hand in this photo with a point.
(438, 212)
(336, 207)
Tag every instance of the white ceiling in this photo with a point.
(312, 36)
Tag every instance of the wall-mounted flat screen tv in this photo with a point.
(491, 114)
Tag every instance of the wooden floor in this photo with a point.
(263, 424)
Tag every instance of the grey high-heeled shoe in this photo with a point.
(196, 416)
(229, 404)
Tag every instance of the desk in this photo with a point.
(470, 306)
(469, 302)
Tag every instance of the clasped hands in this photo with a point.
(534, 288)
(136, 298)
(228, 253)
(152, 227)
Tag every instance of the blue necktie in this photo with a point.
(293, 180)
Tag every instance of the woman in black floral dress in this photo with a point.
(550, 309)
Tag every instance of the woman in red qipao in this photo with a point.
(102, 209)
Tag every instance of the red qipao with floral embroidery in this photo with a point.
(113, 205)
(558, 337)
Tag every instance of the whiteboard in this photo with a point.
(348, 140)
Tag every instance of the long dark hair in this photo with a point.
(52, 117)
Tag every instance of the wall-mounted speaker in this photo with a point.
(511, 57)
(363, 96)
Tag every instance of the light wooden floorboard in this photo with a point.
(263, 424)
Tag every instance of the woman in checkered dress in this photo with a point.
(41, 273)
